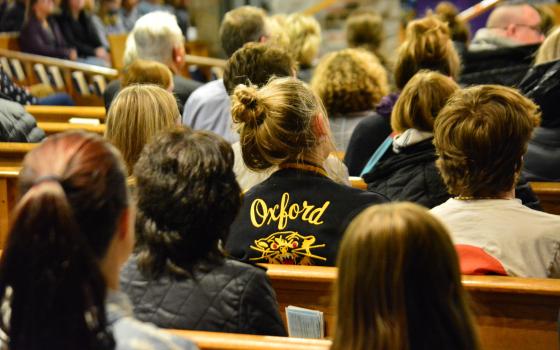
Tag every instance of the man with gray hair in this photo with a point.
(209, 107)
(502, 52)
(156, 36)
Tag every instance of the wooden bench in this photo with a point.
(8, 198)
(55, 127)
(63, 114)
(549, 195)
(230, 341)
(511, 313)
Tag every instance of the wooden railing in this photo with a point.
(549, 195)
(511, 313)
(65, 114)
(229, 341)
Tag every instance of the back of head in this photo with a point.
(399, 284)
(136, 115)
(351, 80)
(187, 198)
(364, 28)
(153, 38)
(481, 136)
(147, 72)
(255, 64)
(550, 48)
(421, 100)
(427, 46)
(73, 194)
(275, 122)
(520, 23)
(304, 33)
(448, 13)
(242, 25)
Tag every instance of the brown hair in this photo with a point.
(550, 48)
(350, 80)
(421, 100)
(276, 122)
(427, 46)
(242, 25)
(255, 64)
(481, 136)
(136, 115)
(460, 30)
(364, 29)
(73, 195)
(304, 33)
(399, 285)
(147, 72)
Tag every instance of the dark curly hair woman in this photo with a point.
(179, 278)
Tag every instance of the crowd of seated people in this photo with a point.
(164, 221)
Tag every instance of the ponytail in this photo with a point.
(50, 281)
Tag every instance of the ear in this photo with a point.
(178, 55)
(510, 30)
(263, 39)
(320, 125)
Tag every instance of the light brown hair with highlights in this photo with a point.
(481, 136)
(351, 80)
(148, 72)
(136, 115)
(304, 33)
(428, 46)
(364, 29)
(399, 284)
(421, 100)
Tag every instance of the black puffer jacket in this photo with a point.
(232, 297)
(505, 66)
(16, 125)
(542, 85)
(411, 175)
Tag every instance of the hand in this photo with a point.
(73, 54)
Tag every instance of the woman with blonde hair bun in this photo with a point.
(298, 214)
(399, 285)
(136, 115)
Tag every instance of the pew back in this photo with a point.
(511, 313)
(549, 195)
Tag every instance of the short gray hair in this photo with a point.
(153, 38)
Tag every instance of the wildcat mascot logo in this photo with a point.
(287, 247)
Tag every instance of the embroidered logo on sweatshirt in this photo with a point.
(287, 247)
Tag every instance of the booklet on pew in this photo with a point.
(305, 323)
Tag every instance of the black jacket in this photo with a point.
(35, 39)
(411, 175)
(542, 85)
(80, 33)
(504, 66)
(231, 297)
(16, 125)
(12, 19)
(295, 217)
(182, 89)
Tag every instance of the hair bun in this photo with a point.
(247, 106)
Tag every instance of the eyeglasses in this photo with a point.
(536, 28)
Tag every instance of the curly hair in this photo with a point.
(304, 33)
(428, 46)
(350, 80)
(480, 137)
(256, 63)
(187, 200)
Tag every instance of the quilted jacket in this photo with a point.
(16, 125)
(232, 297)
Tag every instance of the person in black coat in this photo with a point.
(41, 34)
(407, 171)
(187, 199)
(79, 31)
(16, 125)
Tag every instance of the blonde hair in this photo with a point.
(277, 35)
(147, 72)
(275, 122)
(427, 46)
(421, 100)
(304, 33)
(550, 48)
(481, 136)
(136, 115)
(399, 284)
(350, 80)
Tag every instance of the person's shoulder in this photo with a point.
(210, 91)
(241, 268)
(182, 83)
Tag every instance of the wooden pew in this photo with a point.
(55, 127)
(9, 41)
(230, 341)
(8, 198)
(12, 153)
(63, 114)
(511, 313)
(549, 195)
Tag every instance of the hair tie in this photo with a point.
(47, 178)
